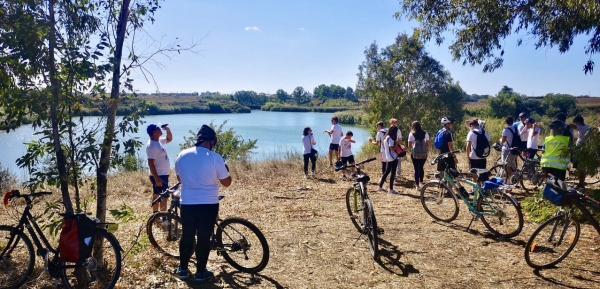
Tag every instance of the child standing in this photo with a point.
(345, 152)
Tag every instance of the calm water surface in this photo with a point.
(276, 132)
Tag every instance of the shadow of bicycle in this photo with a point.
(236, 279)
(564, 283)
(389, 259)
(485, 234)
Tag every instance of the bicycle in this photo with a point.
(498, 210)
(17, 255)
(555, 238)
(239, 241)
(361, 211)
(572, 177)
(530, 172)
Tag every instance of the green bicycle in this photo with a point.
(498, 210)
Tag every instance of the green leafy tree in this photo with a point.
(481, 26)
(281, 95)
(553, 103)
(299, 95)
(322, 92)
(229, 144)
(404, 82)
(349, 94)
(506, 103)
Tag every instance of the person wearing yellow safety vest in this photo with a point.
(555, 157)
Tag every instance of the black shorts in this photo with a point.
(477, 164)
(347, 160)
(333, 147)
(156, 189)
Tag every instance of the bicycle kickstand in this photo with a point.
(361, 234)
(475, 217)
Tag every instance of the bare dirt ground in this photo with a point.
(314, 245)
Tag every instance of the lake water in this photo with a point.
(276, 132)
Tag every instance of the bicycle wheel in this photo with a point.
(531, 175)
(439, 201)
(502, 214)
(371, 228)
(16, 257)
(164, 232)
(101, 270)
(552, 242)
(242, 245)
(499, 171)
(355, 207)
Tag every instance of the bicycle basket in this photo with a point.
(555, 194)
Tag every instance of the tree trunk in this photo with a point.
(102, 171)
(61, 160)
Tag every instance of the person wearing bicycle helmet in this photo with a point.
(200, 171)
(555, 155)
(447, 143)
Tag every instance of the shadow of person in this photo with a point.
(389, 259)
(235, 279)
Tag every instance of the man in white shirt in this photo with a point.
(379, 142)
(533, 134)
(158, 162)
(522, 130)
(394, 122)
(475, 162)
(336, 134)
(345, 152)
(507, 138)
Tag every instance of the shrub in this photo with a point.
(8, 180)
(229, 145)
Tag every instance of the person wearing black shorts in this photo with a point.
(448, 124)
(336, 134)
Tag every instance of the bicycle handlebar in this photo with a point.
(355, 165)
(16, 194)
(166, 193)
(443, 156)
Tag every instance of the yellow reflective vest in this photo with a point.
(554, 147)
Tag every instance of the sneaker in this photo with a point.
(391, 191)
(305, 176)
(165, 225)
(380, 189)
(353, 175)
(203, 276)
(344, 177)
(182, 273)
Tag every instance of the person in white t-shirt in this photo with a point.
(158, 162)
(308, 141)
(475, 162)
(522, 129)
(200, 171)
(345, 152)
(533, 134)
(507, 155)
(398, 140)
(391, 157)
(379, 142)
(582, 132)
(336, 134)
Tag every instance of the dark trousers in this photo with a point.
(478, 164)
(313, 159)
(390, 169)
(418, 165)
(197, 221)
(558, 173)
(446, 163)
(383, 166)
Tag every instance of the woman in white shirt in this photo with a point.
(390, 157)
(308, 141)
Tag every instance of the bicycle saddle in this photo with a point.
(482, 174)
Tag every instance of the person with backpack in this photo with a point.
(443, 142)
(391, 158)
(510, 139)
(394, 122)
(379, 142)
(478, 146)
(418, 142)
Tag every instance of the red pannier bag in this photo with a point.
(76, 238)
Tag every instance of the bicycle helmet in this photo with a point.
(447, 119)
(206, 133)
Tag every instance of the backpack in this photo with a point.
(439, 139)
(482, 149)
(516, 140)
(76, 238)
(420, 149)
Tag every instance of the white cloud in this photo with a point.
(301, 28)
(253, 28)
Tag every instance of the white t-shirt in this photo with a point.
(508, 133)
(520, 129)
(379, 137)
(337, 133)
(345, 148)
(307, 142)
(200, 170)
(582, 131)
(411, 138)
(472, 137)
(399, 135)
(156, 151)
(388, 156)
(532, 141)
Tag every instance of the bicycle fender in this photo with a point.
(514, 200)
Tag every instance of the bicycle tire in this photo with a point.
(508, 219)
(240, 243)
(11, 270)
(437, 198)
(371, 228)
(540, 252)
(355, 207)
(95, 274)
(165, 238)
(499, 171)
(531, 170)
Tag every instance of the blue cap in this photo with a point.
(151, 128)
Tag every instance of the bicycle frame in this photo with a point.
(472, 205)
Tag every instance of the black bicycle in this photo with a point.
(240, 242)
(361, 210)
(555, 238)
(17, 259)
(529, 175)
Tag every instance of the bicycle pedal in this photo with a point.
(380, 231)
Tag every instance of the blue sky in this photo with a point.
(264, 45)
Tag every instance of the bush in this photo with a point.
(8, 180)
(353, 117)
(229, 145)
